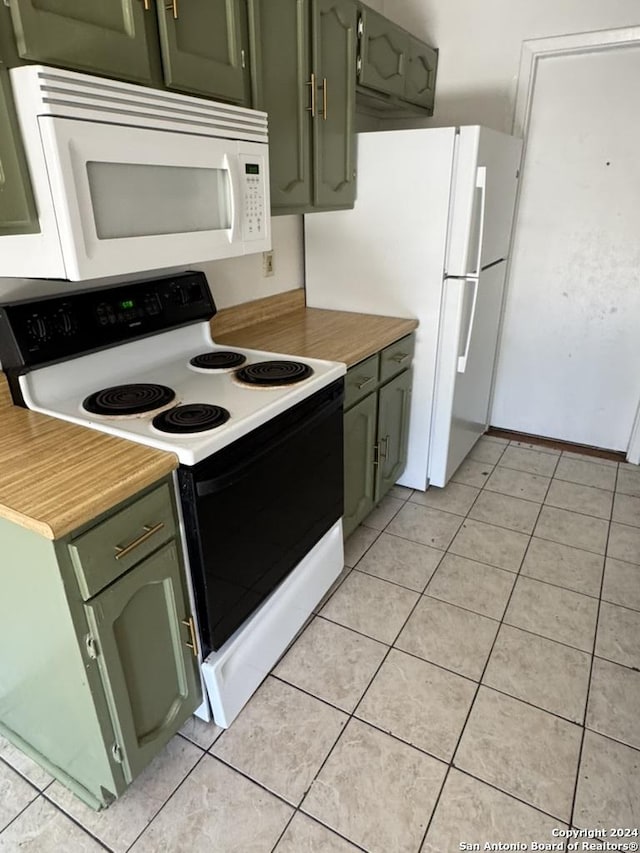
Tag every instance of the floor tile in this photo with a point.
(449, 636)
(332, 663)
(521, 750)
(455, 497)
(505, 511)
(471, 812)
(614, 702)
(624, 543)
(344, 574)
(299, 730)
(430, 715)
(475, 586)
(120, 824)
(398, 560)
(619, 635)
(531, 461)
(572, 528)
(608, 792)
(496, 438)
(383, 513)
(540, 671)
(304, 835)
(402, 493)
(376, 791)
(553, 612)
(472, 473)
(42, 828)
(486, 451)
(24, 765)
(537, 446)
(518, 484)
(425, 525)
(626, 509)
(562, 565)
(585, 499)
(216, 809)
(586, 473)
(15, 794)
(358, 543)
(201, 733)
(621, 583)
(629, 480)
(371, 606)
(490, 544)
(587, 457)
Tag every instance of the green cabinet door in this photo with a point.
(383, 54)
(286, 94)
(334, 36)
(420, 84)
(113, 37)
(149, 673)
(359, 470)
(18, 214)
(202, 47)
(393, 431)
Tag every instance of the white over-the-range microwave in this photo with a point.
(128, 178)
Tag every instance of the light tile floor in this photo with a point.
(474, 676)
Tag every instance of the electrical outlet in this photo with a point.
(267, 264)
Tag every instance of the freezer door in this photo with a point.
(483, 198)
(464, 372)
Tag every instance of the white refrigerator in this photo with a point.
(428, 238)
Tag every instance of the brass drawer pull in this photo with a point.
(147, 5)
(324, 98)
(384, 451)
(312, 83)
(173, 6)
(366, 380)
(193, 645)
(400, 357)
(149, 530)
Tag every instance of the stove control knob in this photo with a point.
(39, 328)
(179, 295)
(65, 323)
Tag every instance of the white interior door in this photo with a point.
(569, 362)
(466, 356)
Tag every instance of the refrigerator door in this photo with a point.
(387, 255)
(467, 346)
(484, 192)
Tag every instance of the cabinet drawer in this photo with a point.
(361, 380)
(396, 357)
(109, 549)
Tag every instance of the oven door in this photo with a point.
(255, 509)
(129, 199)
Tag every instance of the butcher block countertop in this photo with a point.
(56, 476)
(283, 324)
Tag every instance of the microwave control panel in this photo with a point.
(255, 213)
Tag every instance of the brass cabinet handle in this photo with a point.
(193, 645)
(173, 6)
(312, 83)
(324, 98)
(149, 531)
(401, 64)
(376, 454)
(146, 4)
(400, 357)
(384, 452)
(365, 381)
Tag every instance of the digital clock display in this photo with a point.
(252, 169)
(127, 303)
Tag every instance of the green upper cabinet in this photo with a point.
(202, 47)
(334, 24)
(18, 214)
(306, 82)
(384, 51)
(112, 37)
(422, 65)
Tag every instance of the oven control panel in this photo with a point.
(39, 331)
(255, 214)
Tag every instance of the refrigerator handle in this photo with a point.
(481, 184)
(462, 359)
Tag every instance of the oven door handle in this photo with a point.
(223, 481)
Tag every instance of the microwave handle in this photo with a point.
(236, 198)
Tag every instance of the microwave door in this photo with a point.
(131, 199)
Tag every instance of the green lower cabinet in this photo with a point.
(359, 470)
(393, 431)
(93, 689)
(117, 38)
(18, 214)
(202, 47)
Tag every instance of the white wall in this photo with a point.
(480, 45)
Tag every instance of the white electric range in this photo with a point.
(259, 440)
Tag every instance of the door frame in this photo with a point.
(533, 51)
